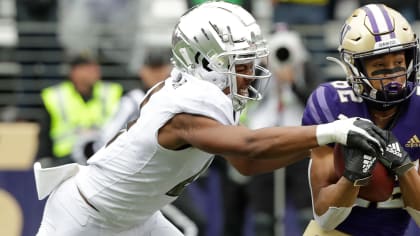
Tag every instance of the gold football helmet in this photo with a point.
(372, 30)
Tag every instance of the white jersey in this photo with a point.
(134, 176)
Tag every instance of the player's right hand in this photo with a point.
(357, 166)
(361, 134)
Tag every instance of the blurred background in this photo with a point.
(43, 41)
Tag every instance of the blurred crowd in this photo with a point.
(80, 112)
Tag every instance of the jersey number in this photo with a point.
(345, 93)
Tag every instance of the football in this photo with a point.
(381, 184)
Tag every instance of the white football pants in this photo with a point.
(67, 214)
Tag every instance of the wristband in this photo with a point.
(325, 134)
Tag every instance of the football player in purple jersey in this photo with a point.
(379, 53)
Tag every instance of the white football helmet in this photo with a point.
(213, 37)
(372, 30)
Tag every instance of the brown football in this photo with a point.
(381, 185)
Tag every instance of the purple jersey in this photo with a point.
(325, 104)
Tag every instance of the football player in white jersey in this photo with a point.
(183, 122)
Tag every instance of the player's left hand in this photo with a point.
(395, 158)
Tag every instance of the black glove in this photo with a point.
(355, 133)
(358, 166)
(395, 158)
(356, 140)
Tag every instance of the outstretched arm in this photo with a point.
(259, 166)
(235, 141)
(289, 143)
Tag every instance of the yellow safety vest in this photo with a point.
(69, 113)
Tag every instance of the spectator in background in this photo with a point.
(302, 12)
(295, 76)
(75, 110)
(295, 73)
